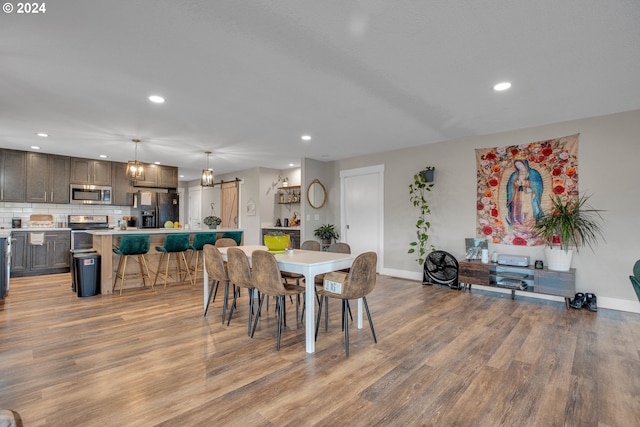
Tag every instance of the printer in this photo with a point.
(514, 260)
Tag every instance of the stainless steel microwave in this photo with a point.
(90, 194)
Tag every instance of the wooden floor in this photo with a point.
(443, 358)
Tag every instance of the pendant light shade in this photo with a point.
(135, 169)
(207, 174)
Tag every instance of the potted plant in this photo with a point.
(212, 221)
(326, 233)
(421, 184)
(568, 225)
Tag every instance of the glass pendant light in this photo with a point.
(135, 169)
(207, 174)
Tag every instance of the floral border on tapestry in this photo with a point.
(515, 185)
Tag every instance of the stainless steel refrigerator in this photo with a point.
(154, 209)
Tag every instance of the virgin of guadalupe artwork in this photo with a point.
(524, 195)
(515, 184)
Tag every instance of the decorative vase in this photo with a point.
(213, 226)
(558, 259)
(427, 175)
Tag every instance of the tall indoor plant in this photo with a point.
(568, 226)
(422, 182)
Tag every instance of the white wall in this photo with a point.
(608, 158)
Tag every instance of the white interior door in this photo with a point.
(195, 203)
(362, 211)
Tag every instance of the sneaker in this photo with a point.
(591, 302)
(578, 301)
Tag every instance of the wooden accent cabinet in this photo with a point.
(542, 281)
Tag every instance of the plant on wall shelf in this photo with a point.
(417, 197)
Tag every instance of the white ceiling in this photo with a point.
(245, 79)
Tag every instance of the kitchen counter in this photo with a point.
(118, 232)
(6, 233)
(105, 240)
(297, 227)
(37, 229)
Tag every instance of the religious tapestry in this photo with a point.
(515, 185)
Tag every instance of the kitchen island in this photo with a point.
(105, 240)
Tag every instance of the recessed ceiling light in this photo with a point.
(291, 164)
(306, 137)
(181, 176)
(156, 163)
(156, 98)
(502, 86)
(103, 156)
(42, 134)
(35, 147)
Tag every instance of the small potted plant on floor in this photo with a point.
(212, 221)
(326, 233)
(568, 225)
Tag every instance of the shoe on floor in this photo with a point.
(591, 302)
(578, 301)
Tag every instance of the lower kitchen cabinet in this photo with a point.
(52, 256)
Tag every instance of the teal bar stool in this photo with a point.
(174, 244)
(132, 245)
(235, 235)
(199, 240)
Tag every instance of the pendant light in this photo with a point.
(135, 169)
(207, 174)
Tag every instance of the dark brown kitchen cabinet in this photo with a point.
(19, 255)
(91, 172)
(52, 256)
(122, 187)
(159, 176)
(13, 171)
(47, 178)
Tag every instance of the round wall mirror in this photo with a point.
(316, 194)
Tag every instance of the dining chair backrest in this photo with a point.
(235, 235)
(238, 268)
(214, 263)
(310, 245)
(635, 279)
(266, 273)
(362, 276)
(339, 247)
(225, 242)
(201, 239)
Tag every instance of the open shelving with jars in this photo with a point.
(288, 195)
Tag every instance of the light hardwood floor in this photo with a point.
(443, 358)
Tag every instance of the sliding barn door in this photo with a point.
(229, 200)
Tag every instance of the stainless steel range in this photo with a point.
(79, 224)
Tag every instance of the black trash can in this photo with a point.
(87, 271)
(72, 265)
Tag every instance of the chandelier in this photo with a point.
(135, 169)
(207, 174)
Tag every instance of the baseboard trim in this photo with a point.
(603, 302)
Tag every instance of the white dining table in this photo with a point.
(309, 264)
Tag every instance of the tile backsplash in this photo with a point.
(60, 212)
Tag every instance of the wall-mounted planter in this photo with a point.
(428, 175)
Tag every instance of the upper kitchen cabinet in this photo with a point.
(159, 176)
(47, 178)
(122, 187)
(92, 172)
(13, 172)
